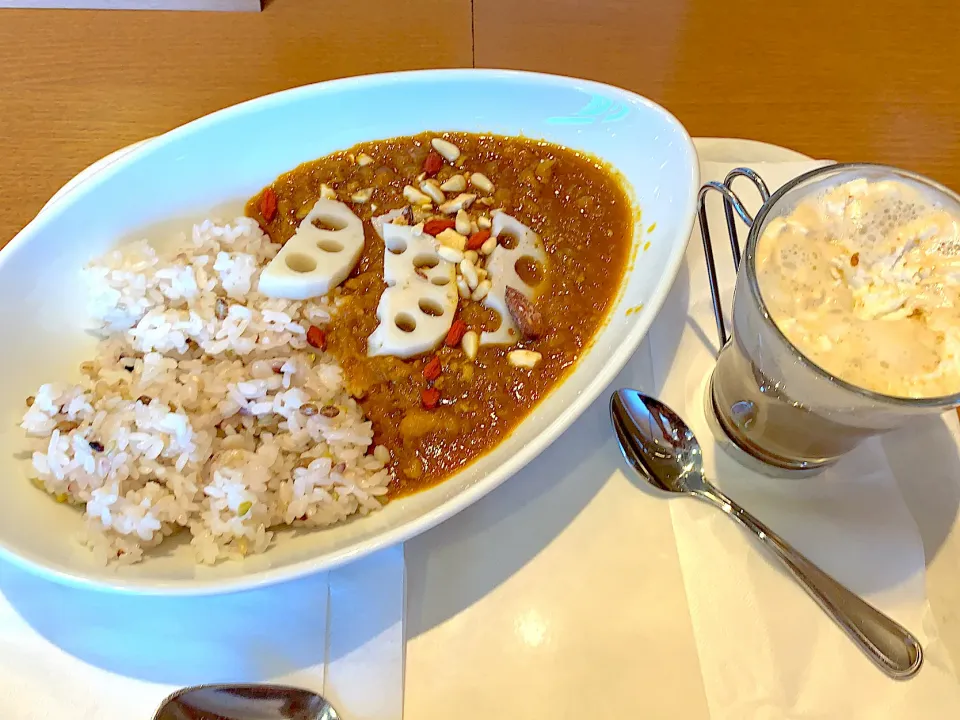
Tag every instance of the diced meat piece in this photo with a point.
(524, 313)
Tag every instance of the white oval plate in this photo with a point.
(740, 150)
(219, 160)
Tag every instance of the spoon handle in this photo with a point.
(889, 645)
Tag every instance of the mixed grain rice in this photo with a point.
(205, 408)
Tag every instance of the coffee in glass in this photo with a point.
(846, 315)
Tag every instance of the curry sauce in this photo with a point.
(576, 204)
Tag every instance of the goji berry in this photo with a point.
(456, 333)
(432, 163)
(268, 204)
(478, 239)
(430, 398)
(438, 225)
(433, 369)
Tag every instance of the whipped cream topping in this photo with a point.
(863, 278)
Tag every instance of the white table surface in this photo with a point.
(560, 594)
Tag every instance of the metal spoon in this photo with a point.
(660, 446)
(245, 702)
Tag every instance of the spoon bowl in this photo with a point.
(245, 702)
(657, 443)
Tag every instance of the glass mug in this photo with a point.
(770, 400)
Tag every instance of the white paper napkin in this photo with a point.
(765, 648)
(71, 654)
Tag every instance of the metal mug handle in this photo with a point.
(731, 203)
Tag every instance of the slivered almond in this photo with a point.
(481, 292)
(414, 196)
(431, 188)
(524, 358)
(489, 245)
(451, 238)
(469, 272)
(470, 344)
(483, 222)
(481, 182)
(362, 196)
(460, 202)
(457, 183)
(450, 254)
(363, 160)
(447, 149)
(327, 192)
(463, 222)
